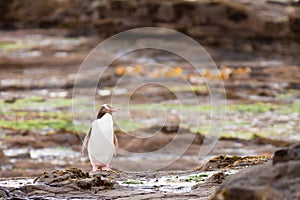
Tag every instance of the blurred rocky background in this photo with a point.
(269, 26)
(256, 46)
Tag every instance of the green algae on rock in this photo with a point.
(132, 182)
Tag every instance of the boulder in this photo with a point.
(280, 180)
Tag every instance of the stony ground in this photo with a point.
(39, 147)
(275, 179)
(74, 183)
(37, 133)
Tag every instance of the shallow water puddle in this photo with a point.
(15, 152)
(53, 152)
(17, 182)
(174, 184)
(43, 154)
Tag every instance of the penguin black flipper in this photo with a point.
(86, 140)
(116, 144)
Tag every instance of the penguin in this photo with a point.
(101, 142)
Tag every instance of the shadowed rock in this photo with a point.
(284, 155)
(278, 181)
(275, 26)
(74, 177)
(233, 162)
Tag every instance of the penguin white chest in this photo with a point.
(101, 143)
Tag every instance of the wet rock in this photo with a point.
(243, 21)
(63, 139)
(250, 194)
(37, 140)
(11, 100)
(19, 141)
(198, 139)
(74, 177)
(145, 94)
(58, 176)
(165, 12)
(153, 139)
(171, 125)
(4, 164)
(215, 179)
(7, 193)
(279, 181)
(294, 85)
(4, 192)
(78, 184)
(287, 154)
(149, 144)
(295, 22)
(233, 162)
(3, 158)
(263, 141)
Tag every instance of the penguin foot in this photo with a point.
(106, 168)
(95, 167)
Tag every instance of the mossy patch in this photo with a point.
(184, 107)
(133, 182)
(200, 129)
(258, 107)
(12, 46)
(238, 134)
(128, 125)
(36, 103)
(254, 108)
(290, 108)
(36, 113)
(288, 94)
(195, 178)
(38, 124)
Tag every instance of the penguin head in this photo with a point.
(106, 109)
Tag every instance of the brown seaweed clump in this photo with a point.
(233, 162)
(76, 177)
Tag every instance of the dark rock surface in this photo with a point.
(278, 181)
(75, 183)
(264, 181)
(233, 162)
(287, 154)
(74, 177)
(60, 184)
(249, 26)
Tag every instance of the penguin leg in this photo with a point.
(116, 144)
(106, 168)
(95, 167)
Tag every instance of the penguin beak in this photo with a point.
(114, 109)
(108, 109)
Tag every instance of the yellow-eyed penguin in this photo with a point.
(100, 141)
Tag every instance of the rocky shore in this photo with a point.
(256, 156)
(271, 26)
(232, 178)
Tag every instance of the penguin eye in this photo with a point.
(105, 106)
(109, 107)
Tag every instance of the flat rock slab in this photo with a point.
(215, 180)
(75, 183)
